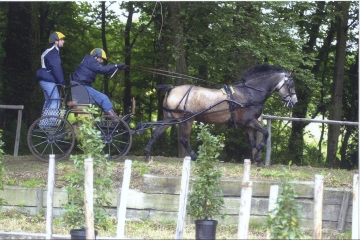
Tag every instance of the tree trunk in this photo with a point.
(179, 53)
(17, 66)
(127, 92)
(104, 43)
(337, 89)
(296, 141)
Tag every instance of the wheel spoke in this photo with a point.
(58, 140)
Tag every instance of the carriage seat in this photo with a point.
(80, 94)
(80, 98)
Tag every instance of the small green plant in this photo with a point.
(11, 182)
(141, 167)
(91, 144)
(32, 183)
(206, 199)
(284, 220)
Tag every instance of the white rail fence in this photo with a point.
(269, 118)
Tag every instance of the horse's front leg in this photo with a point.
(158, 131)
(255, 125)
(185, 130)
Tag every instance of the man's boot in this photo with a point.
(112, 115)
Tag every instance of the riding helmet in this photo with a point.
(98, 52)
(56, 36)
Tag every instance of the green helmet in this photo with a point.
(98, 52)
(55, 36)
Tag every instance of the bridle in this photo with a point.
(290, 84)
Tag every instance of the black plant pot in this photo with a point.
(79, 234)
(205, 229)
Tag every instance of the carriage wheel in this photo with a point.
(116, 136)
(51, 135)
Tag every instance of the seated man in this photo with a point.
(86, 73)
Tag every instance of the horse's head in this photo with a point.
(287, 91)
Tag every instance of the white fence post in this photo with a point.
(355, 213)
(89, 198)
(274, 192)
(124, 193)
(318, 206)
(50, 196)
(245, 202)
(185, 178)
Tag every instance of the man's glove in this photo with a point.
(121, 66)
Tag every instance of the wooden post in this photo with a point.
(18, 127)
(318, 206)
(17, 137)
(245, 202)
(50, 196)
(89, 198)
(343, 211)
(185, 178)
(124, 193)
(39, 199)
(247, 165)
(268, 144)
(274, 192)
(355, 212)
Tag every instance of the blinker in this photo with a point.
(291, 84)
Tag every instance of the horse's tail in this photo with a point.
(164, 88)
(159, 88)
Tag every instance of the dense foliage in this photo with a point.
(216, 42)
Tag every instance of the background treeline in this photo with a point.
(214, 41)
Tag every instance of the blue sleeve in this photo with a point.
(54, 64)
(100, 69)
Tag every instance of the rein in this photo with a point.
(170, 74)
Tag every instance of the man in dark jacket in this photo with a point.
(51, 72)
(87, 71)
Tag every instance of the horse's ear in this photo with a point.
(292, 72)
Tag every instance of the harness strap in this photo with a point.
(229, 92)
(187, 97)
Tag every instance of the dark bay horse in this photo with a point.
(241, 103)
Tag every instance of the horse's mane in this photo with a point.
(259, 71)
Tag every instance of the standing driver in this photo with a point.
(86, 72)
(51, 72)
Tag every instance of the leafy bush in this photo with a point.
(206, 198)
(284, 220)
(91, 144)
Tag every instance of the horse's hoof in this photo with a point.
(260, 164)
(193, 156)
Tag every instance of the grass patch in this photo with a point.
(14, 221)
(25, 170)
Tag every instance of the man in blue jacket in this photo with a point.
(51, 72)
(86, 73)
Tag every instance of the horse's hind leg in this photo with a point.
(185, 130)
(255, 125)
(158, 131)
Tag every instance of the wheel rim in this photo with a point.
(117, 137)
(45, 139)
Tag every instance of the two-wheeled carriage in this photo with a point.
(54, 134)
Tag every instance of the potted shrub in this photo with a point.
(206, 199)
(90, 143)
